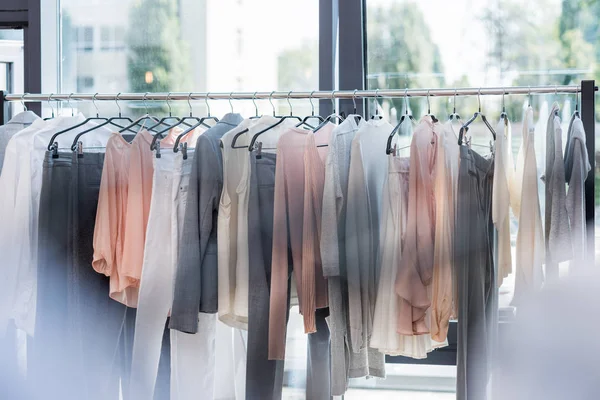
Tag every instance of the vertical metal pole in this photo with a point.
(32, 43)
(588, 92)
(352, 55)
(328, 17)
(3, 108)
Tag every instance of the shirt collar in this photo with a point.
(25, 118)
(232, 119)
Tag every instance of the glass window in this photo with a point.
(185, 45)
(486, 43)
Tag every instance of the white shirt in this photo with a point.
(232, 221)
(368, 170)
(530, 236)
(30, 146)
(16, 124)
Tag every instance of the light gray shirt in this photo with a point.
(196, 277)
(577, 166)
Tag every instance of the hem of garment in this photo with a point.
(234, 321)
(181, 325)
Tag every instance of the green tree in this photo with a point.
(158, 57)
(396, 58)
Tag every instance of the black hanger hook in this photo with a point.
(479, 99)
(289, 103)
(529, 95)
(95, 106)
(189, 103)
(406, 101)
(376, 102)
(503, 93)
(230, 103)
(354, 100)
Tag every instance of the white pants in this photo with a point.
(192, 356)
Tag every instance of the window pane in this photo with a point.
(187, 45)
(429, 44)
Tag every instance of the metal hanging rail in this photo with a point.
(318, 94)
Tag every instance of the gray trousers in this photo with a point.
(264, 377)
(50, 352)
(100, 329)
(475, 276)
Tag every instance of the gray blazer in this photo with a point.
(196, 278)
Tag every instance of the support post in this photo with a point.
(588, 92)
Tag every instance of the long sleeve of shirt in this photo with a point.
(416, 266)
(446, 183)
(332, 197)
(356, 239)
(577, 164)
(557, 227)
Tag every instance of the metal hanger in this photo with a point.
(51, 107)
(312, 114)
(332, 116)
(405, 117)
(503, 114)
(356, 115)
(108, 121)
(281, 119)
(23, 102)
(142, 118)
(200, 122)
(303, 121)
(255, 116)
(465, 127)
(69, 105)
(376, 106)
(53, 146)
(240, 133)
(163, 120)
(555, 99)
(454, 115)
(429, 114)
(180, 121)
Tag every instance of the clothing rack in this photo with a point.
(585, 103)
